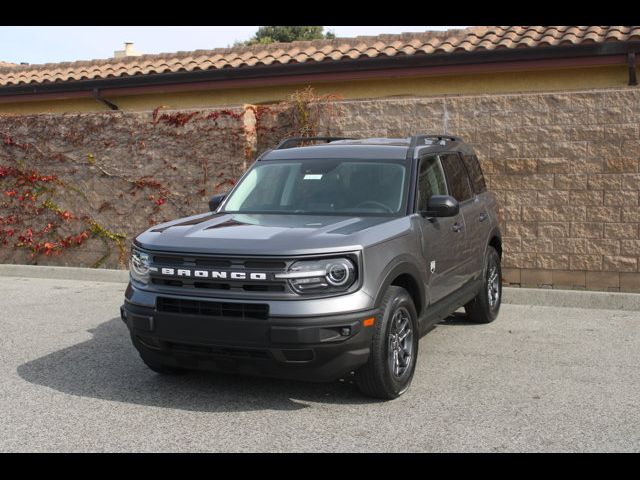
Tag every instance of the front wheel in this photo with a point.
(394, 348)
(484, 308)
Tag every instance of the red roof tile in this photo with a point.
(451, 41)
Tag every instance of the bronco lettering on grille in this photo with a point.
(185, 272)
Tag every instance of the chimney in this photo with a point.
(128, 51)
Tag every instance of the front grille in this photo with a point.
(191, 284)
(263, 288)
(268, 266)
(276, 287)
(226, 352)
(198, 262)
(265, 265)
(244, 311)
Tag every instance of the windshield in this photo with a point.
(323, 186)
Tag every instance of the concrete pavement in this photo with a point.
(537, 379)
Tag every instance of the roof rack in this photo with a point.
(417, 140)
(295, 141)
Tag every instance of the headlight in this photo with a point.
(321, 276)
(139, 266)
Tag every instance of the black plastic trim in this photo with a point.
(631, 62)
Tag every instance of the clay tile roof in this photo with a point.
(459, 41)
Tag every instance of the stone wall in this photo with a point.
(121, 171)
(564, 167)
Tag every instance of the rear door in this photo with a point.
(442, 238)
(460, 189)
(477, 218)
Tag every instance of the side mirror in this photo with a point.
(441, 206)
(215, 201)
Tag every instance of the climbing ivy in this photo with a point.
(46, 213)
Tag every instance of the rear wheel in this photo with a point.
(484, 308)
(394, 348)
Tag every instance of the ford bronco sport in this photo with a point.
(323, 261)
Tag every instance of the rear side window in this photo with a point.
(475, 173)
(457, 176)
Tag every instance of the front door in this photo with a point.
(443, 238)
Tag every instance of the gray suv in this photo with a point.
(324, 261)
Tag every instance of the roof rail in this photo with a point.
(295, 141)
(417, 140)
(439, 138)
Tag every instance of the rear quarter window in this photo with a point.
(475, 173)
(457, 176)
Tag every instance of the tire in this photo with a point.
(484, 308)
(386, 376)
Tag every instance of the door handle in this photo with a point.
(483, 216)
(456, 227)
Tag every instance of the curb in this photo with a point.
(65, 273)
(515, 296)
(546, 297)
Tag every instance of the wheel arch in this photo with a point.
(495, 240)
(407, 276)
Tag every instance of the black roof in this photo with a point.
(377, 152)
(370, 148)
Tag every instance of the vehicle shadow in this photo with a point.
(108, 367)
(456, 318)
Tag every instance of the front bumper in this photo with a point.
(314, 348)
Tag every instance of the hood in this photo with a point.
(244, 234)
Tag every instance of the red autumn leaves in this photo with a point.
(56, 248)
(22, 196)
(148, 182)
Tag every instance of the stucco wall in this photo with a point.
(426, 84)
(564, 167)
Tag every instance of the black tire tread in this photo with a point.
(371, 378)
(478, 310)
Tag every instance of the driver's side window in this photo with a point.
(431, 181)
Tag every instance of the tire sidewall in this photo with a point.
(395, 385)
(492, 258)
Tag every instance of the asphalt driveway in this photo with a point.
(537, 379)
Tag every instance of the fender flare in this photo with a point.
(495, 232)
(402, 265)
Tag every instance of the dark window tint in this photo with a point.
(475, 173)
(457, 176)
(430, 181)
